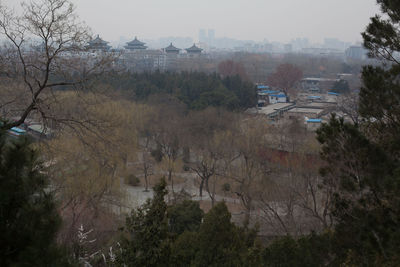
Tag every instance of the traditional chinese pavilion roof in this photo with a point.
(171, 48)
(97, 41)
(194, 49)
(136, 42)
(98, 44)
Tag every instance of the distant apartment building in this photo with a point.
(320, 51)
(207, 37)
(202, 36)
(356, 53)
(335, 43)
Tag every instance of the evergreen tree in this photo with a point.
(363, 159)
(28, 217)
(185, 216)
(220, 242)
(307, 251)
(147, 241)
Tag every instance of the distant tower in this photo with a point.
(135, 45)
(211, 36)
(171, 57)
(98, 44)
(202, 36)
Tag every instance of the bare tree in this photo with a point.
(248, 168)
(43, 51)
(348, 104)
(147, 162)
(231, 68)
(285, 77)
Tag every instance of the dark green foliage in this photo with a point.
(147, 241)
(176, 236)
(220, 242)
(184, 249)
(196, 90)
(382, 35)
(363, 164)
(308, 251)
(185, 216)
(341, 87)
(28, 217)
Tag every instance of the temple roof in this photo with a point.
(136, 42)
(98, 41)
(194, 48)
(171, 48)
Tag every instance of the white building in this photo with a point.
(277, 98)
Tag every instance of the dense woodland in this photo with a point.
(223, 188)
(197, 90)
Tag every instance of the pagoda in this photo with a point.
(135, 45)
(171, 49)
(98, 44)
(194, 50)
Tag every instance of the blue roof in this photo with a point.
(280, 95)
(314, 97)
(314, 120)
(262, 86)
(333, 93)
(18, 130)
(269, 92)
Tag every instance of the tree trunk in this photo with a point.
(201, 187)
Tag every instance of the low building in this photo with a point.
(39, 131)
(16, 131)
(277, 98)
(275, 111)
(266, 97)
(313, 124)
(300, 113)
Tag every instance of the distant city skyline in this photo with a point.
(256, 20)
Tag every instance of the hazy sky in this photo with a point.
(276, 20)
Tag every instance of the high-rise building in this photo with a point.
(202, 36)
(356, 52)
(211, 36)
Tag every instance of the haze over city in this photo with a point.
(245, 20)
(199, 133)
